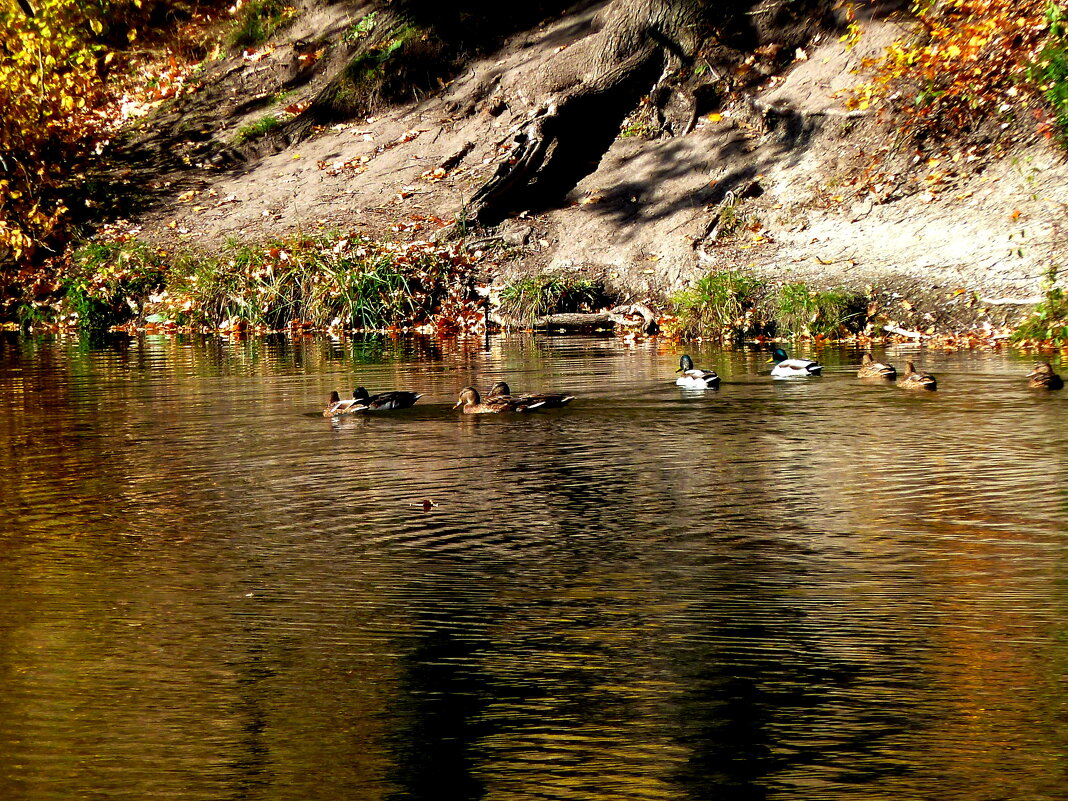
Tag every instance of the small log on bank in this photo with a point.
(634, 315)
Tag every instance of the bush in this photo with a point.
(49, 85)
(108, 281)
(962, 69)
(802, 312)
(530, 298)
(1050, 70)
(1048, 323)
(321, 282)
(722, 304)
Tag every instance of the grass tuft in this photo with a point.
(721, 304)
(804, 312)
(259, 20)
(530, 298)
(257, 129)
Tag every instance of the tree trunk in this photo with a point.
(583, 94)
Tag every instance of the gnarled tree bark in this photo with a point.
(583, 94)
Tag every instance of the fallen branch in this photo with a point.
(1012, 301)
(630, 316)
(893, 329)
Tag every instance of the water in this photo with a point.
(818, 589)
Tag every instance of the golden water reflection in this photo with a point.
(777, 590)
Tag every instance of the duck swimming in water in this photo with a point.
(1043, 377)
(692, 378)
(869, 368)
(917, 381)
(785, 367)
(336, 405)
(383, 401)
(472, 403)
(362, 401)
(501, 390)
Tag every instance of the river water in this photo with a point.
(818, 589)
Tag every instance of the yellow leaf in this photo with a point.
(132, 34)
(97, 26)
(715, 117)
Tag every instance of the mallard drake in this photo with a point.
(501, 390)
(869, 368)
(694, 378)
(472, 403)
(383, 401)
(785, 367)
(915, 380)
(1043, 377)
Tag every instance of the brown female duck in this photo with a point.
(472, 403)
(914, 380)
(1043, 377)
(501, 390)
(869, 368)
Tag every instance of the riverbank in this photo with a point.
(780, 183)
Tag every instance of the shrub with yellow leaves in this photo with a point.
(49, 87)
(968, 64)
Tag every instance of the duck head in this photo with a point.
(500, 388)
(778, 355)
(468, 396)
(1042, 370)
(360, 394)
(334, 398)
(685, 363)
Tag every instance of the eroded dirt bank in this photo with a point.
(774, 181)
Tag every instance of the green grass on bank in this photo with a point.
(351, 283)
(732, 306)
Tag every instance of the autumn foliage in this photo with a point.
(49, 88)
(59, 108)
(971, 66)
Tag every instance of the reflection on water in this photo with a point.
(818, 589)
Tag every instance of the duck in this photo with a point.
(869, 368)
(785, 367)
(472, 403)
(693, 378)
(1043, 377)
(914, 380)
(383, 401)
(501, 390)
(336, 405)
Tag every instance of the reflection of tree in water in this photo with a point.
(441, 699)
